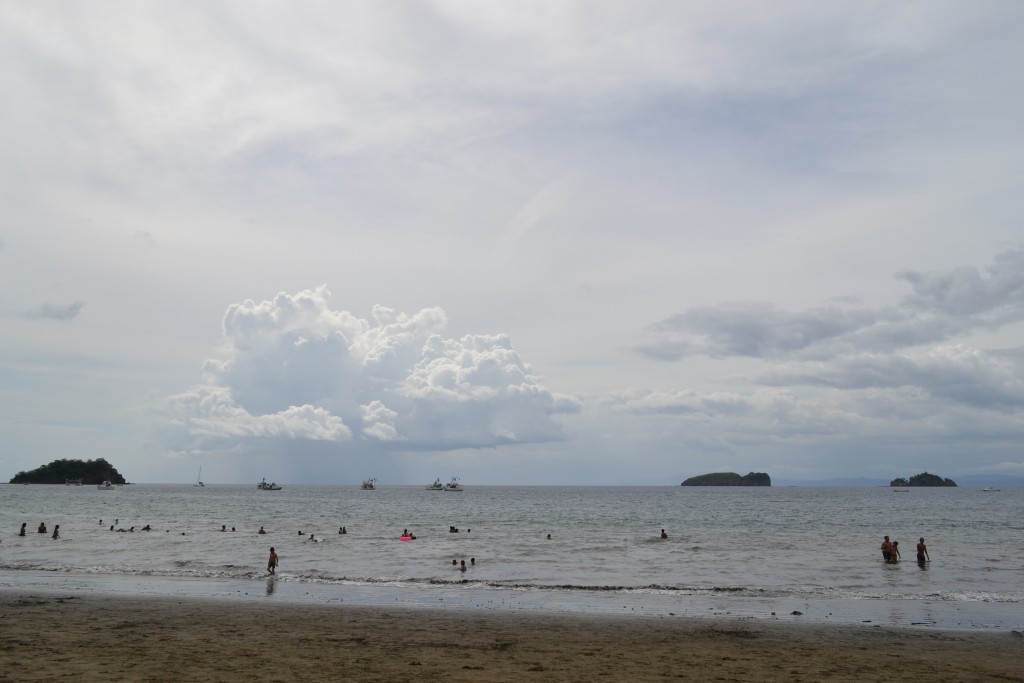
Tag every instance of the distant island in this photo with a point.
(62, 471)
(923, 479)
(729, 479)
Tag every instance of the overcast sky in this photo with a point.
(515, 242)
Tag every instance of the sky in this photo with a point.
(536, 242)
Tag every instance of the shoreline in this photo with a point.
(909, 615)
(160, 638)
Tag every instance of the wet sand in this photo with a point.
(92, 638)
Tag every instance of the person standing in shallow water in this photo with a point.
(886, 549)
(922, 552)
(894, 553)
(56, 531)
(23, 525)
(272, 562)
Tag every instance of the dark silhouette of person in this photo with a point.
(894, 555)
(922, 552)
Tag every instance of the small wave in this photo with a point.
(186, 570)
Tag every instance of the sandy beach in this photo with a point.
(94, 638)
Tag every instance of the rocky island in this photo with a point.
(63, 471)
(729, 479)
(923, 479)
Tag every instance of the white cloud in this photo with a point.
(297, 369)
(379, 422)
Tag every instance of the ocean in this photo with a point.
(793, 553)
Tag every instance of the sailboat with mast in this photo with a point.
(199, 478)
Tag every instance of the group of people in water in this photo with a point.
(407, 535)
(462, 565)
(41, 529)
(891, 551)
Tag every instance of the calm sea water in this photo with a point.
(764, 547)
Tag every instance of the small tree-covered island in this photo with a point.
(62, 471)
(729, 479)
(923, 479)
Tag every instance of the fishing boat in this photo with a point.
(105, 486)
(453, 485)
(989, 489)
(436, 486)
(369, 484)
(199, 478)
(264, 486)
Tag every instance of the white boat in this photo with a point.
(264, 486)
(990, 489)
(199, 478)
(369, 484)
(453, 485)
(72, 482)
(436, 486)
(105, 486)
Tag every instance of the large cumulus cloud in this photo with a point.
(295, 368)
